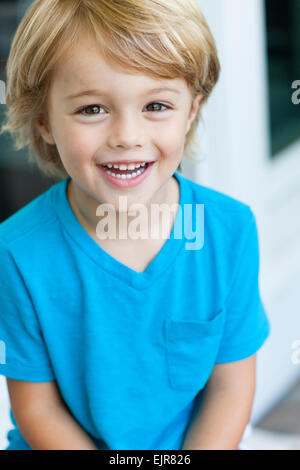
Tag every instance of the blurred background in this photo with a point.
(250, 150)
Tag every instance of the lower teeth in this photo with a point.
(127, 176)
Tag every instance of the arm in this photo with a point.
(225, 409)
(43, 418)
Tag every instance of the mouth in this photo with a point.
(120, 169)
(126, 174)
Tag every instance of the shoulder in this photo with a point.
(31, 223)
(223, 212)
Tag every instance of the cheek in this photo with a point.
(171, 140)
(75, 144)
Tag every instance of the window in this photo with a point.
(10, 14)
(283, 43)
(19, 183)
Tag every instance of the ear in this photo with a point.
(194, 110)
(42, 125)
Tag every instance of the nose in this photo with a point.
(126, 132)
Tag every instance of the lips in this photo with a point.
(126, 162)
(124, 182)
(125, 172)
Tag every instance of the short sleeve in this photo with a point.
(23, 354)
(246, 323)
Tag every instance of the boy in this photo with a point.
(114, 342)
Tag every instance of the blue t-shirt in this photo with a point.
(130, 351)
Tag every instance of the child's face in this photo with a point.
(126, 125)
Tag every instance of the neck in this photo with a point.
(84, 207)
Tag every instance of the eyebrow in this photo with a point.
(102, 93)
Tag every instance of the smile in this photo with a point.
(126, 175)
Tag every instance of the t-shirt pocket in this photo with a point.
(192, 348)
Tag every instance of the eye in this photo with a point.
(92, 107)
(159, 104)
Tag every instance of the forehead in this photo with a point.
(83, 67)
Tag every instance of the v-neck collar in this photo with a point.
(164, 258)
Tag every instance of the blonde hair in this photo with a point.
(162, 38)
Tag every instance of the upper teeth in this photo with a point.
(131, 166)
